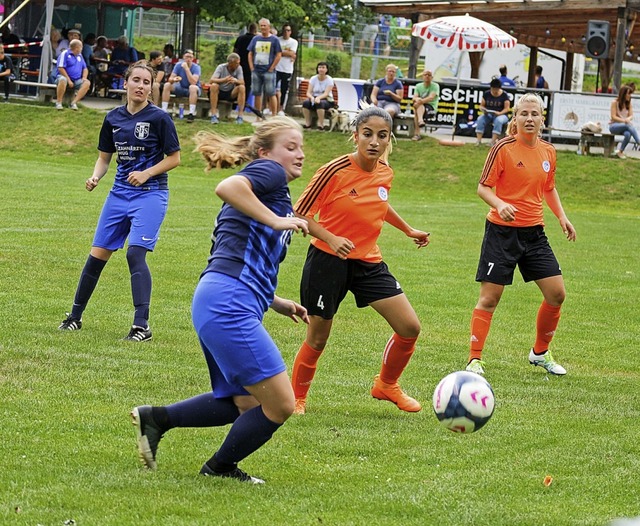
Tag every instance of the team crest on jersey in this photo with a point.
(382, 193)
(546, 166)
(142, 130)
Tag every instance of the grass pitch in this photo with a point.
(66, 445)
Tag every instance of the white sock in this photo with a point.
(165, 106)
(192, 109)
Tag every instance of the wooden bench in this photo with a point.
(605, 140)
(302, 94)
(202, 107)
(46, 92)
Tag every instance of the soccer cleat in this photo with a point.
(149, 435)
(239, 120)
(73, 106)
(138, 334)
(59, 106)
(70, 324)
(215, 119)
(235, 473)
(190, 117)
(301, 406)
(546, 360)
(475, 366)
(393, 393)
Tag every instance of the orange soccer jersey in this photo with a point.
(349, 202)
(520, 175)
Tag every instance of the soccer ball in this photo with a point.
(463, 402)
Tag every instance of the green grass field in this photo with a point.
(67, 448)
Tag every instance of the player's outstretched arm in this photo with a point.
(420, 238)
(342, 246)
(290, 308)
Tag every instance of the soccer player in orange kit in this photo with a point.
(521, 168)
(349, 196)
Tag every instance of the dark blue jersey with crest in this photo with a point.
(140, 142)
(247, 249)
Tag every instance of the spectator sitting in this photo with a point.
(184, 81)
(167, 62)
(122, 56)
(425, 101)
(71, 72)
(504, 80)
(227, 83)
(8, 38)
(6, 72)
(319, 96)
(155, 62)
(495, 105)
(55, 37)
(67, 37)
(388, 91)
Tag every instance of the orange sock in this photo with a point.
(480, 325)
(304, 369)
(397, 354)
(546, 325)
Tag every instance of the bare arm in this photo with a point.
(238, 192)
(290, 309)
(506, 211)
(275, 62)
(342, 246)
(374, 94)
(420, 238)
(553, 201)
(172, 160)
(99, 170)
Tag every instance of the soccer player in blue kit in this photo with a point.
(146, 143)
(251, 388)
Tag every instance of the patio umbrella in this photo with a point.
(465, 33)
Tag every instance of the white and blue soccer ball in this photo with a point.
(463, 402)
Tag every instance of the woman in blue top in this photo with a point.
(146, 143)
(251, 389)
(495, 106)
(388, 91)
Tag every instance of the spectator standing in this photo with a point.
(369, 35)
(494, 107)
(504, 79)
(167, 62)
(249, 381)
(346, 204)
(540, 82)
(146, 145)
(155, 61)
(184, 81)
(319, 96)
(425, 101)
(284, 68)
(227, 83)
(6, 72)
(264, 55)
(622, 119)
(387, 92)
(241, 47)
(518, 176)
(72, 72)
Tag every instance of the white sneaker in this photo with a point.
(546, 360)
(267, 111)
(73, 106)
(59, 106)
(281, 113)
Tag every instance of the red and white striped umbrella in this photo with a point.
(463, 32)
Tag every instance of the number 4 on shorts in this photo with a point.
(320, 302)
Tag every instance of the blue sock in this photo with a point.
(200, 411)
(86, 285)
(250, 431)
(140, 284)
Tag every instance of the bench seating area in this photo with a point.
(588, 139)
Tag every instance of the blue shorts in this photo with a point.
(228, 320)
(137, 215)
(181, 91)
(263, 81)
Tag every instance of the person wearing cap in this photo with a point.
(184, 81)
(72, 34)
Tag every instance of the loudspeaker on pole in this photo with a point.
(598, 39)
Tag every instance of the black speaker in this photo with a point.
(598, 39)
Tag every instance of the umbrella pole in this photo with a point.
(455, 104)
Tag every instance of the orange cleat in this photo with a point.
(301, 406)
(393, 393)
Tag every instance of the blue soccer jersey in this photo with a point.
(247, 249)
(140, 142)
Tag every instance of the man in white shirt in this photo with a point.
(284, 68)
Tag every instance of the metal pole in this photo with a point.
(6, 20)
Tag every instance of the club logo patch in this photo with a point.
(546, 166)
(142, 130)
(382, 193)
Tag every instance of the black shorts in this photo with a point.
(226, 95)
(326, 279)
(504, 247)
